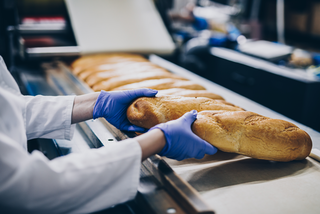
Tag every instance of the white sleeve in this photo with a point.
(48, 117)
(76, 183)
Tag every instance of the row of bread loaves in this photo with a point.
(224, 125)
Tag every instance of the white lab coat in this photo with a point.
(76, 183)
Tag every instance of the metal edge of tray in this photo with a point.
(180, 189)
(187, 197)
(42, 52)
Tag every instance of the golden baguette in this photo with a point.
(88, 61)
(132, 78)
(147, 112)
(112, 67)
(253, 135)
(104, 76)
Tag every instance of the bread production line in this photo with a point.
(194, 186)
(222, 183)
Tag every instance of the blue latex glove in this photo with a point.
(113, 107)
(182, 143)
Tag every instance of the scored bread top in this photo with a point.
(251, 134)
(149, 111)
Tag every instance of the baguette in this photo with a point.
(86, 62)
(112, 67)
(147, 112)
(104, 76)
(133, 78)
(189, 93)
(253, 135)
(160, 84)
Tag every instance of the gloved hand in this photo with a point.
(113, 107)
(182, 143)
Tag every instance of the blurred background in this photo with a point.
(265, 50)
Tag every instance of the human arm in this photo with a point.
(52, 116)
(76, 183)
(151, 143)
(174, 139)
(83, 107)
(113, 105)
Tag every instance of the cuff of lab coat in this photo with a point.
(131, 151)
(49, 117)
(135, 147)
(69, 128)
(117, 173)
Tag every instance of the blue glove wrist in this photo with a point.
(167, 147)
(101, 103)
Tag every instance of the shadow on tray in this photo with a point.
(228, 169)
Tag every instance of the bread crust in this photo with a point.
(150, 111)
(189, 93)
(253, 135)
(160, 84)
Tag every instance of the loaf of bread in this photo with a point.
(189, 93)
(253, 135)
(85, 61)
(161, 84)
(112, 67)
(103, 68)
(104, 76)
(88, 61)
(149, 111)
(133, 78)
